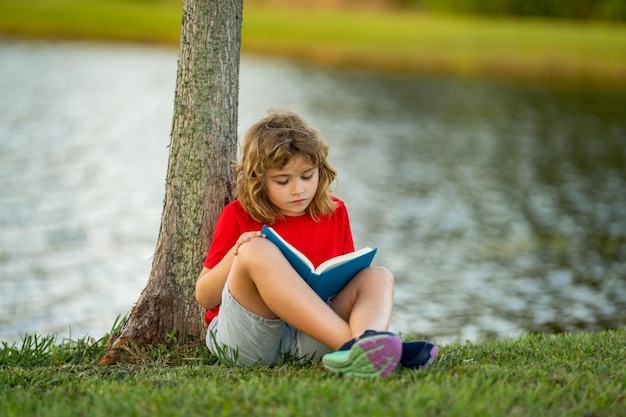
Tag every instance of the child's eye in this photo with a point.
(283, 182)
(307, 177)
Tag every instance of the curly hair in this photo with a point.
(270, 144)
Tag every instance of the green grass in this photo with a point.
(535, 375)
(116, 20)
(394, 41)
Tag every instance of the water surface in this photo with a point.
(500, 208)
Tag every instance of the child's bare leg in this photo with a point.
(264, 283)
(366, 302)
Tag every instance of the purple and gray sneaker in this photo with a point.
(373, 354)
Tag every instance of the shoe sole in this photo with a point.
(374, 356)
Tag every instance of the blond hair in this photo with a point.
(270, 144)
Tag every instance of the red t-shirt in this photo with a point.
(319, 241)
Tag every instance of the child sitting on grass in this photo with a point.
(260, 309)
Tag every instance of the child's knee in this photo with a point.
(255, 250)
(382, 273)
(376, 277)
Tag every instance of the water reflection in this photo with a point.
(501, 209)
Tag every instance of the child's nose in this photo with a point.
(298, 188)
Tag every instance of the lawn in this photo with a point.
(536, 375)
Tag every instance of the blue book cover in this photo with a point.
(329, 277)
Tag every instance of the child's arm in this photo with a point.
(210, 284)
(211, 281)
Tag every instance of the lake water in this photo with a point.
(500, 208)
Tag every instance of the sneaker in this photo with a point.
(371, 355)
(418, 355)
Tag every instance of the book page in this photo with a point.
(341, 259)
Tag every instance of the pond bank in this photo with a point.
(512, 49)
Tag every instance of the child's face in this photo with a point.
(292, 188)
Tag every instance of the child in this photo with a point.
(266, 311)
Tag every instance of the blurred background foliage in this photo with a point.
(568, 9)
(611, 10)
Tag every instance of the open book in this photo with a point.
(329, 277)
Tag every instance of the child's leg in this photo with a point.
(366, 302)
(264, 283)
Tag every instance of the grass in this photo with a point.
(467, 46)
(393, 41)
(535, 375)
(116, 20)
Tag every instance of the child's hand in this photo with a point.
(245, 238)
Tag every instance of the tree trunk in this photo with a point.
(199, 179)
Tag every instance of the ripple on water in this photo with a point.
(499, 208)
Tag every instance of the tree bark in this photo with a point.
(199, 178)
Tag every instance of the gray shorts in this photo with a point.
(249, 339)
